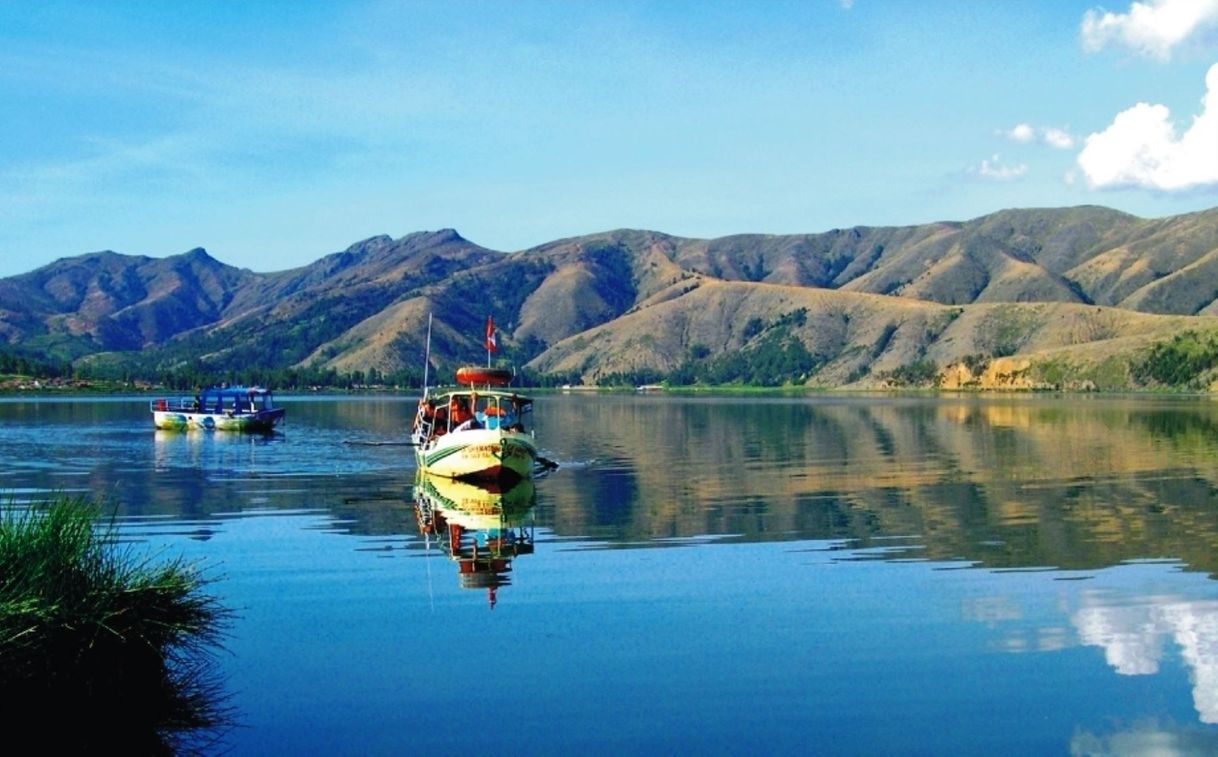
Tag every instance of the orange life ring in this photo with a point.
(492, 376)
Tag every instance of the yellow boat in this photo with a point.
(479, 432)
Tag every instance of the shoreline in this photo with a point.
(77, 388)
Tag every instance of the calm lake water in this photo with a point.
(720, 575)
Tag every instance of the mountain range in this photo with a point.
(1061, 296)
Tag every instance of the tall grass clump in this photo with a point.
(117, 651)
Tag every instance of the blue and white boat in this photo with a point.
(229, 408)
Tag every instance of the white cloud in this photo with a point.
(993, 169)
(1025, 133)
(1022, 133)
(1150, 28)
(1142, 149)
(1057, 138)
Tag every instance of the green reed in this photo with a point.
(118, 645)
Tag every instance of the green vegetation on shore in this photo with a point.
(774, 358)
(1187, 361)
(117, 646)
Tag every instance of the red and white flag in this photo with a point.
(492, 339)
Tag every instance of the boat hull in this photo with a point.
(263, 421)
(485, 454)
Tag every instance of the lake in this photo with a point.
(705, 574)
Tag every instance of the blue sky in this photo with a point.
(272, 133)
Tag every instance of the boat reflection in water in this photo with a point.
(481, 525)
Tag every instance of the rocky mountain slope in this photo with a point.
(1034, 292)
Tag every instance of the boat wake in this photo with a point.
(573, 463)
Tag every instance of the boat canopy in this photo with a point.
(234, 391)
(239, 398)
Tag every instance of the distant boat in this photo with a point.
(230, 408)
(477, 431)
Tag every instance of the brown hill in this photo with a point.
(842, 307)
(860, 338)
(117, 302)
(1088, 254)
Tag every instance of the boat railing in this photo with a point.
(180, 404)
(238, 406)
(424, 424)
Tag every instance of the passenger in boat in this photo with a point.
(514, 420)
(486, 418)
(461, 416)
(458, 410)
(440, 425)
(427, 416)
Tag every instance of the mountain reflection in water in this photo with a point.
(712, 573)
(1004, 483)
(1021, 482)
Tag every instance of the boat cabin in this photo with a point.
(227, 400)
(233, 399)
(470, 409)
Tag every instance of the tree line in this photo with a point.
(17, 364)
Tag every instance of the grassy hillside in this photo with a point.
(866, 340)
(1055, 291)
